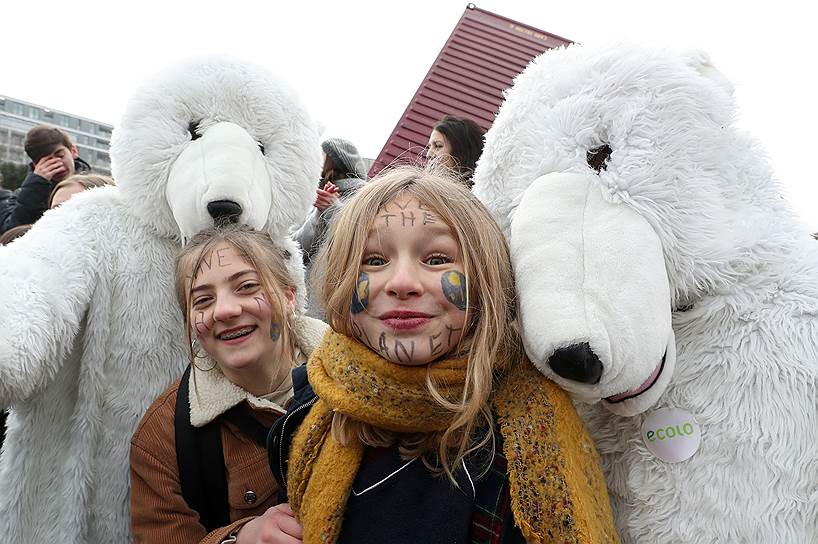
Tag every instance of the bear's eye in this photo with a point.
(193, 129)
(598, 157)
(260, 147)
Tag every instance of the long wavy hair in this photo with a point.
(490, 335)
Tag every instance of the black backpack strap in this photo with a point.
(249, 426)
(200, 460)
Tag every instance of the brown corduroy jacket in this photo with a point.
(159, 513)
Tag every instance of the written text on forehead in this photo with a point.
(408, 214)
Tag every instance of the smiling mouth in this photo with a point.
(402, 320)
(233, 334)
(646, 385)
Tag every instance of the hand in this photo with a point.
(49, 167)
(326, 197)
(276, 526)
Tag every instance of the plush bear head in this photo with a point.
(216, 139)
(626, 194)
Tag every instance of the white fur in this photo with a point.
(742, 276)
(225, 163)
(90, 332)
(583, 298)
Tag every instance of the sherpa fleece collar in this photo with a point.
(217, 394)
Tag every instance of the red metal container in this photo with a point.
(478, 62)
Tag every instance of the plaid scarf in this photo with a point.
(558, 493)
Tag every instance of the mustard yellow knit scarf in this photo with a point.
(558, 493)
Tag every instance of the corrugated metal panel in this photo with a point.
(478, 62)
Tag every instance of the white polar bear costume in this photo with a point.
(658, 267)
(90, 332)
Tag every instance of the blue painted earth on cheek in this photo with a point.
(360, 297)
(454, 288)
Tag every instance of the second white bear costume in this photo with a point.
(662, 277)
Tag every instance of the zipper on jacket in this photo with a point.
(281, 439)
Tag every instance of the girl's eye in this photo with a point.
(200, 302)
(374, 260)
(247, 286)
(193, 130)
(437, 260)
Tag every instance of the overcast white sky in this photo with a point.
(358, 63)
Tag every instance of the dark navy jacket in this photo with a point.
(413, 505)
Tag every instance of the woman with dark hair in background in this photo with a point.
(456, 142)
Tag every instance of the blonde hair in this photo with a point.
(267, 259)
(489, 335)
(86, 181)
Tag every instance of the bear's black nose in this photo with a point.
(577, 362)
(224, 211)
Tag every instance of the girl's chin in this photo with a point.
(408, 357)
(412, 362)
(237, 363)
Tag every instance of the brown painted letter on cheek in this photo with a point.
(435, 348)
(451, 331)
(361, 335)
(382, 345)
(200, 324)
(262, 304)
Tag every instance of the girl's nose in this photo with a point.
(404, 280)
(226, 308)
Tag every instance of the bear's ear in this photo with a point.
(700, 61)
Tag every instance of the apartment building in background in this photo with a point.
(17, 117)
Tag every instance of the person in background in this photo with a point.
(456, 143)
(77, 183)
(343, 173)
(53, 158)
(238, 304)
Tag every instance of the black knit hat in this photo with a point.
(345, 158)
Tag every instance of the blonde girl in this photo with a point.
(237, 301)
(421, 420)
